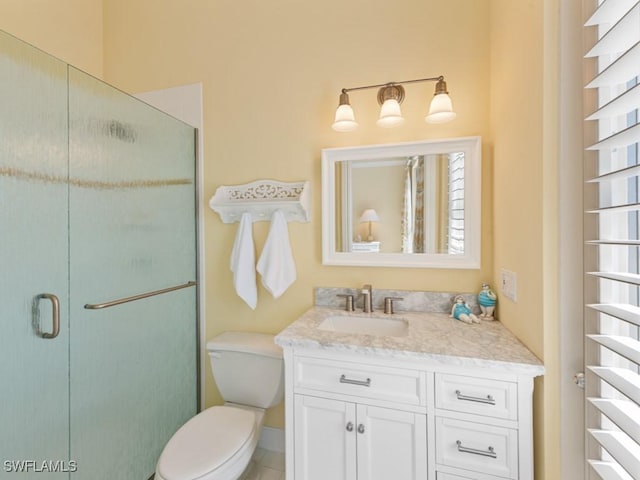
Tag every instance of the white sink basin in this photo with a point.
(379, 326)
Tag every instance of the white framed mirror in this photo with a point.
(412, 204)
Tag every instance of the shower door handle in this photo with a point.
(55, 307)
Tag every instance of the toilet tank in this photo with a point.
(248, 368)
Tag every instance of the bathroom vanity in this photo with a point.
(407, 396)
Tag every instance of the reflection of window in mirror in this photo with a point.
(455, 226)
(419, 201)
(443, 216)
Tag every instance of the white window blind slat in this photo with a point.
(624, 68)
(623, 380)
(625, 346)
(621, 174)
(621, 105)
(610, 11)
(620, 37)
(609, 470)
(626, 453)
(628, 313)
(604, 241)
(617, 209)
(620, 412)
(632, 278)
(626, 137)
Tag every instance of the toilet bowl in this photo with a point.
(218, 443)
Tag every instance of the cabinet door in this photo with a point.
(325, 443)
(391, 444)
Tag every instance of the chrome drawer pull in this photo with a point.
(362, 383)
(485, 453)
(488, 400)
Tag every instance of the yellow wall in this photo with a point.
(524, 82)
(516, 131)
(68, 29)
(271, 74)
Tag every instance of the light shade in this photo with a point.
(369, 215)
(345, 120)
(441, 109)
(390, 114)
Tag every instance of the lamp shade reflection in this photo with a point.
(368, 216)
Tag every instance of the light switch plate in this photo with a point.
(509, 284)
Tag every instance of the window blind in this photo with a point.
(612, 346)
(456, 204)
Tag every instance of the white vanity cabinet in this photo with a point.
(354, 421)
(444, 401)
(358, 417)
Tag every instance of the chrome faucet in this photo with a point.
(367, 298)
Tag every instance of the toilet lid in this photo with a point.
(206, 442)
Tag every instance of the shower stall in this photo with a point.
(98, 302)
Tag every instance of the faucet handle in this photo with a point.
(349, 307)
(367, 300)
(388, 304)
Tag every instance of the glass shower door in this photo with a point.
(34, 299)
(132, 231)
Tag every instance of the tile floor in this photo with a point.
(265, 465)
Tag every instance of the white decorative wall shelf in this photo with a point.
(262, 198)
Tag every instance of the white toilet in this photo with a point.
(218, 443)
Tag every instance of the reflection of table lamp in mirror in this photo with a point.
(369, 215)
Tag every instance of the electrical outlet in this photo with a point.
(509, 284)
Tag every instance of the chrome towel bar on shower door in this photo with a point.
(98, 306)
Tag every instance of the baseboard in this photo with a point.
(272, 439)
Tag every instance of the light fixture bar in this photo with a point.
(390, 96)
(390, 84)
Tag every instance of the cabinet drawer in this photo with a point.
(465, 476)
(383, 383)
(448, 476)
(481, 396)
(477, 447)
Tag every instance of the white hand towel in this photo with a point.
(276, 264)
(243, 262)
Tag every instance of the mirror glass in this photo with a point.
(411, 204)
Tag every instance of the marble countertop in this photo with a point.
(433, 337)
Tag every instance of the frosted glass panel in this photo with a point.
(34, 408)
(132, 230)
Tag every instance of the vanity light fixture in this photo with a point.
(369, 215)
(390, 96)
